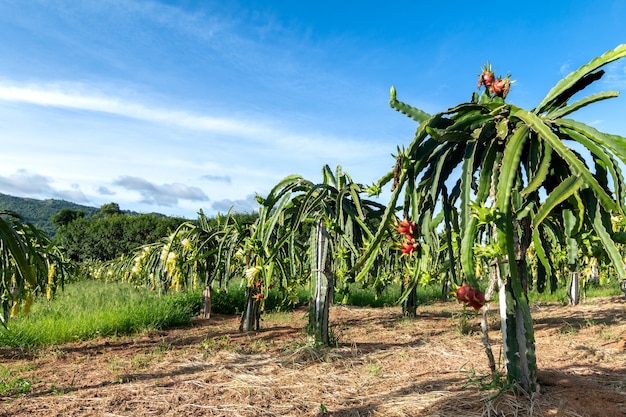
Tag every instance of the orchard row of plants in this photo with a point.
(488, 198)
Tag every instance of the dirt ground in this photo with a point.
(385, 365)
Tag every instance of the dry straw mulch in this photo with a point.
(385, 365)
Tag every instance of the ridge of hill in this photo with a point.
(39, 212)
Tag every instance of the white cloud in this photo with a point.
(76, 196)
(102, 190)
(72, 96)
(24, 182)
(166, 195)
(217, 178)
(615, 76)
(68, 96)
(268, 138)
(247, 205)
(29, 184)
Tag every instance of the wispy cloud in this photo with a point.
(247, 205)
(566, 68)
(166, 195)
(26, 183)
(102, 190)
(273, 135)
(616, 75)
(217, 178)
(67, 96)
(71, 195)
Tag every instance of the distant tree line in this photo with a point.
(111, 232)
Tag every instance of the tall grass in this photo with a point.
(232, 300)
(590, 291)
(390, 296)
(87, 309)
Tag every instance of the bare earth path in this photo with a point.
(386, 365)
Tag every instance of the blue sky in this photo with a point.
(173, 106)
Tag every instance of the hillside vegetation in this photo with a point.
(39, 212)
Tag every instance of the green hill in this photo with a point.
(38, 212)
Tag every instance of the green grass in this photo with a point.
(603, 291)
(560, 295)
(232, 300)
(363, 297)
(12, 384)
(87, 309)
